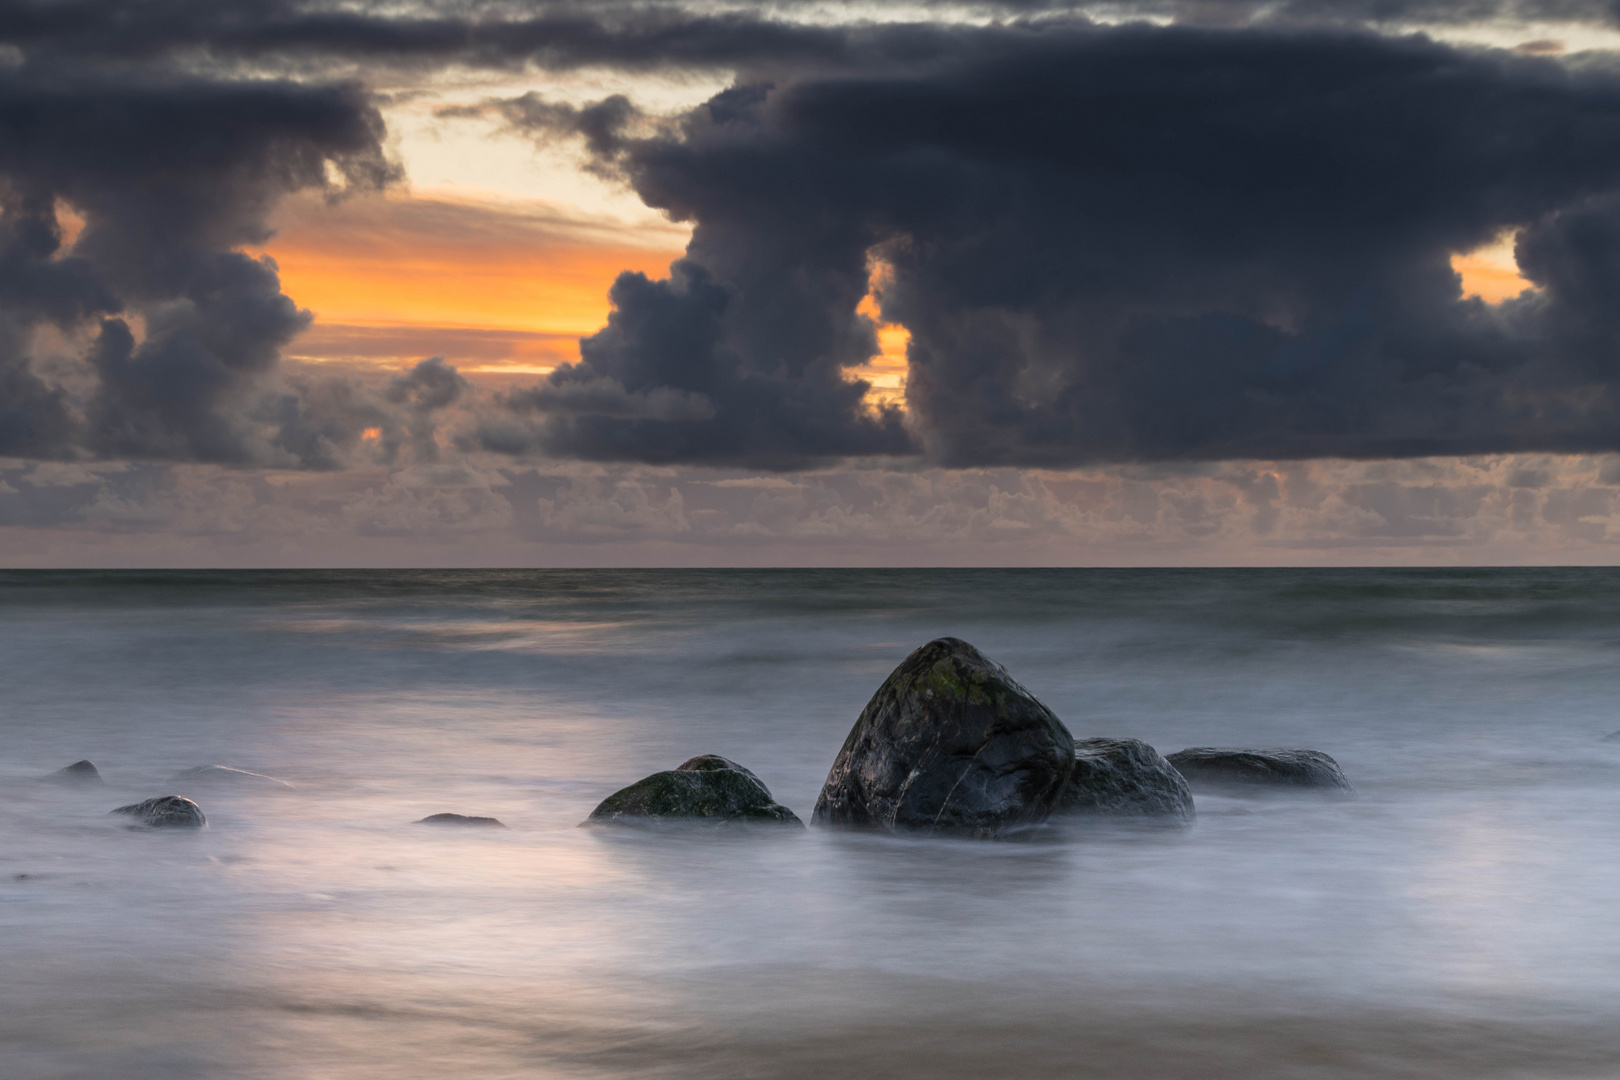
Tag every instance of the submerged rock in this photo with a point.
(80, 772)
(705, 790)
(950, 743)
(225, 775)
(461, 819)
(166, 810)
(1221, 767)
(1125, 779)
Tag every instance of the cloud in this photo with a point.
(170, 176)
(1125, 244)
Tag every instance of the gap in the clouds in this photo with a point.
(886, 372)
(1491, 273)
(492, 286)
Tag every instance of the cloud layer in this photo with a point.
(1126, 244)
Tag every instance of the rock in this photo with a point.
(224, 775)
(166, 810)
(80, 772)
(1219, 767)
(461, 819)
(713, 762)
(1613, 736)
(1125, 779)
(949, 744)
(705, 790)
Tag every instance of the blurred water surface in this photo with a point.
(1454, 919)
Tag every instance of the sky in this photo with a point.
(1015, 282)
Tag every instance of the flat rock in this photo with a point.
(461, 819)
(705, 790)
(226, 776)
(80, 772)
(166, 811)
(951, 744)
(1125, 779)
(1228, 768)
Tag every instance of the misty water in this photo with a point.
(1456, 918)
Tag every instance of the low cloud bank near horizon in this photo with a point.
(481, 511)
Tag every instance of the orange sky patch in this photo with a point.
(400, 277)
(1491, 273)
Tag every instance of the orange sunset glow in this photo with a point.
(493, 286)
(1491, 273)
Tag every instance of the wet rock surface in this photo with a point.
(705, 790)
(462, 820)
(166, 811)
(78, 773)
(1125, 779)
(226, 776)
(1217, 768)
(950, 743)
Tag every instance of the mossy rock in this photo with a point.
(1224, 768)
(951, 744)
(705, 790)
(1125, 780)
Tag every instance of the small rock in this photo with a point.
(949, 744)
(80, 772)
(1125, 778)
(1220, 767)
(223, 775)
(1613, 736)
(166, 810)
(705, 790)
(460, 819)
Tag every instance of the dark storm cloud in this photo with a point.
(1124, 244)
(635, 33)
(169, 176)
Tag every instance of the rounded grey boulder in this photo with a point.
(950, 743)
(80, 772)
(225, 776)
(461, 819)
(1125, 779)
(705, 790)
(1226, 768)
(166, 811)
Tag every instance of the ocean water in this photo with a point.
(1456, 918)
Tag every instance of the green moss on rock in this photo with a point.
(705, 790)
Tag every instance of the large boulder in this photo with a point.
(706, 790)
(950, 743)
(166, 811)
(228, 778)
(1223, 768)
(79, 773)
(1125, 779)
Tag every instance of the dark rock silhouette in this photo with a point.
(1613, 736)
(461, 819)
(78, 773)
(1218, 768)
(1125, 779)
(166, 811)
(950, 743)
(224, 776)
(705, 790)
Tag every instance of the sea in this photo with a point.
(1459, 916)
